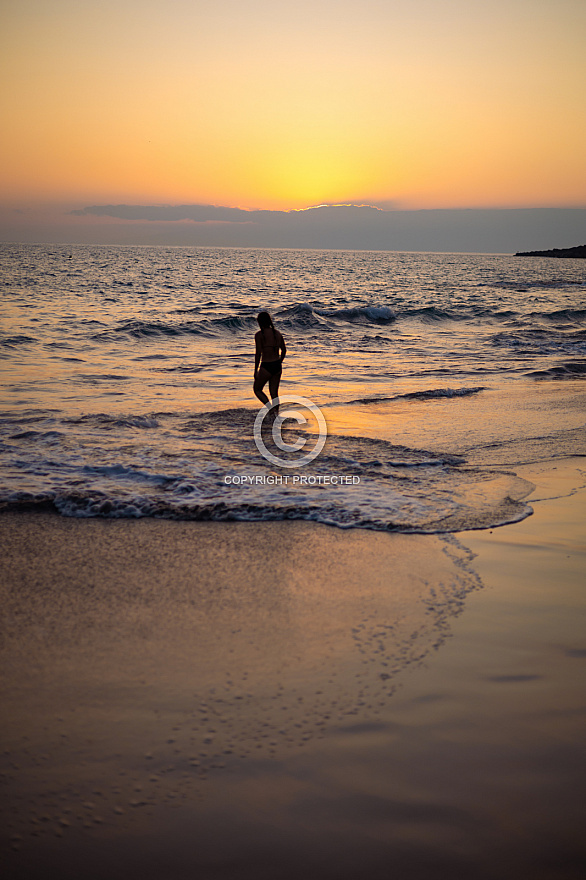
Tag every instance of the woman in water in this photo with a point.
(270, 353)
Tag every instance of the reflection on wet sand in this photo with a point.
(212, 644)
(271, 704)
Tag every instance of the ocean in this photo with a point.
(127, 383)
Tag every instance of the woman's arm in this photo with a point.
(282, 347)
(258, 353)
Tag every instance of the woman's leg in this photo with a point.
(262, 377)
(274, 384)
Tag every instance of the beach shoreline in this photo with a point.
(356, 701)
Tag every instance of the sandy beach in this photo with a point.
(181, 700)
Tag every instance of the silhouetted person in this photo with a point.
(268, 360)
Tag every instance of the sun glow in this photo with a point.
(425, 104)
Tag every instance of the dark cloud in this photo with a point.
(169, 213)
(352, 227)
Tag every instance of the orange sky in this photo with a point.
(421, 103)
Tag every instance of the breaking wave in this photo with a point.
(204, 466)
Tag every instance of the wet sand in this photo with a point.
(241, 700)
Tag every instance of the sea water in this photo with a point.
(127, 382)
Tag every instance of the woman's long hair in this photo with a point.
(265, 322)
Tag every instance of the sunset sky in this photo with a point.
(403, 104)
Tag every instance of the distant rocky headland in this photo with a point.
(573, 252)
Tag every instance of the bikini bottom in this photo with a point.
(272, 367)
